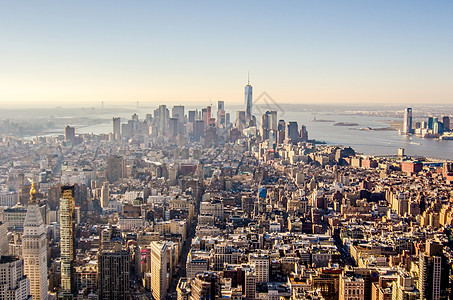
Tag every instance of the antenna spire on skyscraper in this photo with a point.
(248, 77)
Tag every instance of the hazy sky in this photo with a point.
(82, 52)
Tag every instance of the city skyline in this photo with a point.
(66, 54)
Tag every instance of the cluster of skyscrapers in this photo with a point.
(433, 127)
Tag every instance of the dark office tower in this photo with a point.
(227, 119)
(220, 105)
(446, 121)
(192, 116)
(67, 205)
(173, 127)
(434, 273)
(206, 286)
(281, 125)
(208, 115)
(114, 168)
(69, 134)
(114, 273)
(178, 112)
(198, 129)
(292, 131)
(303, 134)
(248, 103)
(407, 126)
(117, 128)
(149, 119)
(431, 123)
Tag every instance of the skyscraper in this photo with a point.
(248, 102)
(105, 195)
(292, 131)
(208, 115)
(433, 277)
(114, 168)
(117, 128)
(192, 115)
(221, 113)
(273, 121)
(159, 270)
(34, 248)
(67, 204)
(178, 112)
(446, 121)
(407, 126)
(69, 134)
(114, 273)
(163, 119)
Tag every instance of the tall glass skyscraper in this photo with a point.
(407, 126)
(248, 103)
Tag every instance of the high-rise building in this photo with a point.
(221, 113)
(274, 120)
(178, 112)
(163, 119)
(67, 204)
(4, 239)
(198, 129)
(117, 128)
(250, 284)
(69, 134)
(435, 125)
(430, 123)
(159, 263)
(208, 115)
(126, 131)
(34, 248)
(281, 125)
(114, 273)
(105, 195)
(114, 168)
(265, 125)
(433, 276)
(403, 288)
(173, 127)
(303, 133)
(13, 284)
(192, 115)
(205, 286)
(407, 126)
(248, 102)
(240, 119)
(261, 263)
(446, 121)
(292, 131)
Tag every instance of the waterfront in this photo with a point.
(369, 142)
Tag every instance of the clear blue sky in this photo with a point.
(79, 52)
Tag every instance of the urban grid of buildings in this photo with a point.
(190, 205)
